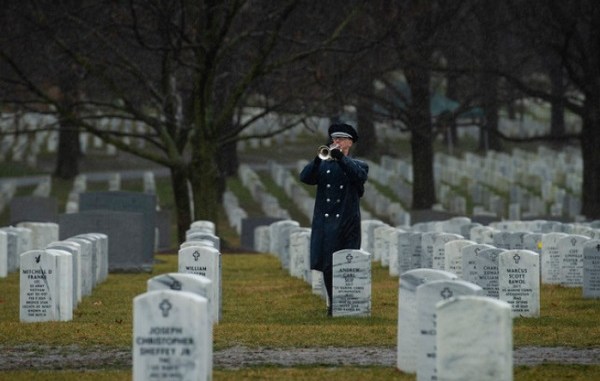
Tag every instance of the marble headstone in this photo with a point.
(351, 283)
(196, 284)
(551, 258)
(474, 339)
(571, 260)
(591, 269)
(453, 255)
(519, 281)
(439, 254)
(408, 320)
(172, 337)
(205, 261)
(428, 295)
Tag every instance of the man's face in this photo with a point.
(344, 144)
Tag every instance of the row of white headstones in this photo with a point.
(54, 275)
(173, 320)
(499, 265)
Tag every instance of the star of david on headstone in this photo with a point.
(165, 306)
(446, 293)
(196, 255)
(349, 257)
(517, 258)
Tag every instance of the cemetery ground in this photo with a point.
(273, 327)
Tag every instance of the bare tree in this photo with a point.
(182, 69)
(568, 32)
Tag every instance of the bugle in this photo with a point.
(324, 151)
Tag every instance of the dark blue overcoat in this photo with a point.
(336, 217)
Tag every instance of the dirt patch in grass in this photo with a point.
(73, 357)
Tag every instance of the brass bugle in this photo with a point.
(324, 152)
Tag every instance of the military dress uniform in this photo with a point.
(336, 217)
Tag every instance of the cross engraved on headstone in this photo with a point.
(349, 257)
(573, 241)
(196, 255)
(446, 293)
(165, 306)
(517, 258)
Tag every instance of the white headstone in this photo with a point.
(351, 283)
(75, 249)
(408, 321)
(3, 254)
(205, 261)
(196, 284)
(172, 337)
(591, 269)
(551, 258)
(487, 271)
(453, 255)
(64, 283)
(519, 281)
(86, 264)
(571, 260)
(474, 339)
(439, 254)
(46, 286)
(428, 295)
(469, 255)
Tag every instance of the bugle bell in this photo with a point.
(324, 152)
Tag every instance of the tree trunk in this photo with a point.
(557, 116)
(204, 178)
(488, 81)
(452, 91)
(179, 182)
(367, 142)
(590, 141)
(68, 154)
(419, 117)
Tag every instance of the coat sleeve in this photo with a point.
(356, 170)
(310, 173)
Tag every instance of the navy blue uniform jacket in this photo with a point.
(336, 217)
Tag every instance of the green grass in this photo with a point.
(295, 317)
(265, 307)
